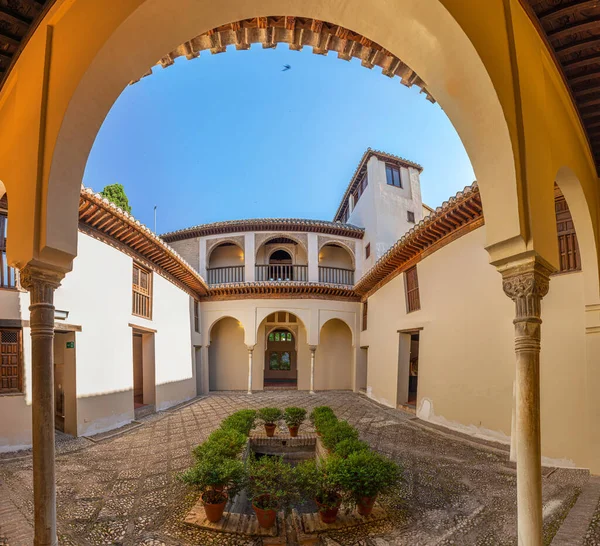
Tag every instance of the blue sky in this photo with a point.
(231, 136)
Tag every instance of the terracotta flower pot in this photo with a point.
(270, 430)
(293, 431)
(328, 514)
(365, 505)
(266, 518)
(214, 512)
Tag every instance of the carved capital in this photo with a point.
(250, 348)
(312, 348)
(526, 284)
(41, 283)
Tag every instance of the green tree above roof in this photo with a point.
(115, 193)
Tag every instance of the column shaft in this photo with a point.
(250, 353)
(312, 369)
(526, 284)
(41, 285)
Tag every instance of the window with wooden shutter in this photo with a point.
(196, 316)
(413, 301)
(8, 275)
(367, 251)
(365, 313)
(142, 292)
(11, 369)
(568, 247)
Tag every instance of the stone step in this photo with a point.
(572, 531)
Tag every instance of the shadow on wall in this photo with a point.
(334, 357)
(227, 356)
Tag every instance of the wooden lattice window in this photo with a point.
(365, 313)
(196, 316)
(11, 369)
(8, 275)
(413, 301)
(568, 247)
(142, 292)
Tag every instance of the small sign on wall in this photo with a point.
(70, 344)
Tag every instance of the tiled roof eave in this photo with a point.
(266, 224)
(99, 214)
(460, 213)
(274, 289)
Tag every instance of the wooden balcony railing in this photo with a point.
(282, 273)
(336, 275)
(224, 275)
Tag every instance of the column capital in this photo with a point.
(312, 348)
(250, 348)
(40, 282)
(526, 283)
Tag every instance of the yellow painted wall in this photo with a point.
(228, 356)
(334, 357)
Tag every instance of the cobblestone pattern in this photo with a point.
(124, 490)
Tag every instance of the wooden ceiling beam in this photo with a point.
(559, 11)
(582, 62)
(575, 47)
(9, 39)
(574, 28)
(14, 17)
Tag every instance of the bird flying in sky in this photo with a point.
(286, 67)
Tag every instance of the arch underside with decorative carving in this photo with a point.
(297, 32)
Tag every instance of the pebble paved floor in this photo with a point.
(123, 490)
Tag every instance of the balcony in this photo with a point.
(225, 275)
(281, 272)
(336, 275)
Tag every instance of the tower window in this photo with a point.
(392, 175)
(410, 216)
(367, 251)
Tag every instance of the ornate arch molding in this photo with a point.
(213, 244)
(323, 240)
(261, 239)
(297, 32)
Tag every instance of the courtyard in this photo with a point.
(121, 487)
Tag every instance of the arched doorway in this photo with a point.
(225, 264)
(281, 359)
(280, 266)
(334, 359)
(227, 356)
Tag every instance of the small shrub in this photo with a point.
(226, 475)
(224, 443)
(319, 412)
(269, 416)
(294, 417)
(271, 483)
(320, 482)
(344, 448)
(335, 432)
(366, 474)
(242, 421)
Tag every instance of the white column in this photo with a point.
(249, 258)
(41, 284)
(513, 426)
(526, 284)
(312, 348)
(250, 352)
(313, 257)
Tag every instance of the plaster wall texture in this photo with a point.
(97, 294)
(334, 357)
(228, 356)
(382, 209)
(466, 350)
(189, 250)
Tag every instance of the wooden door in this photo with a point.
(138, 370)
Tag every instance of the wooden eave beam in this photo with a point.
(10, 39)
(581, 62)
(584, 77)
(14, 17)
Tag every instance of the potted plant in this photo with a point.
(271, 485)
(293, 418)
(218, 479)
(335, 432)
(323, 484)
(270, 417)
(366, 474)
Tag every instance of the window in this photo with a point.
(280, 360)
(568, 248)
(413, 302)
(11, 379)
(142, 292)
(196, 316)
(360, 188)
(8, 277)
(367, 251)
(392, 174)
(280, 336)
(410, 216)
(365, 312)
